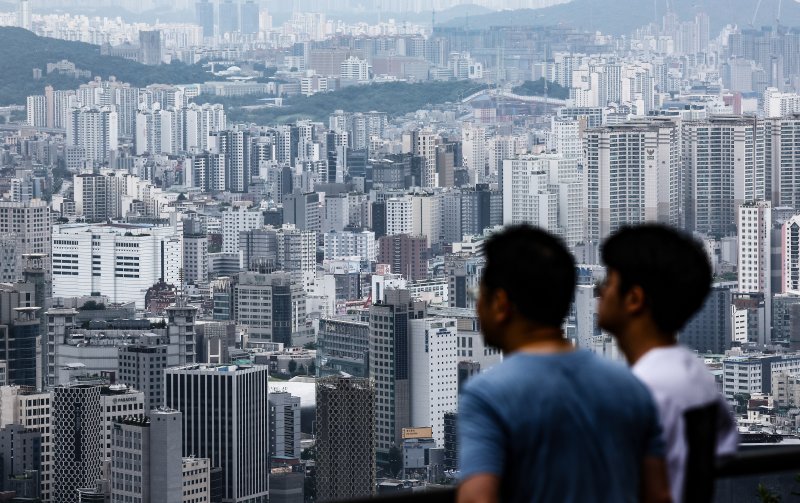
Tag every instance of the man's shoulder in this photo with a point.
(678, 374)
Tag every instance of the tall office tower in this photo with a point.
(724, 166)
(91, 197)
(399, 215)
(204, 16)
(207, 172)
(710, 331)
(481, 208)
(284, 426)
(116, 401)
(29, 225)
(302, 210)
(632, 176)
(473, 141)
(31, 409)
(147, 458)
(546, 191)
(19, 335)
(296, 249)
(36, 110)
(225, 418)
(342, 346)
(24, 14)
(235, 146)
(150, 47)
(346, 438)
(433, 366)
(228, 17)
(785, 161)
(20, 461)
(464, 273)
(235, 221)
(249, 17)
(77, 430)
(446, 155)
(195, 256)
(59, 323)
(286, 301)
(425, 146)
(180, 330)
(388, 366)
(141, 366)
(754, 225)
(336, 145)
(406, 254)
(95, 130)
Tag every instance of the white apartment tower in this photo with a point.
(632, 175)
(724, 166)
(754, 224)
(95, 130)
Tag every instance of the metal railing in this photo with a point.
(750, 461)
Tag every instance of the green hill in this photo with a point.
(21, 51)
(395, 98)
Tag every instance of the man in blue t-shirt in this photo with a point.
(550, 423)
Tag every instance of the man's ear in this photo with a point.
(500, 306)
(635, 301)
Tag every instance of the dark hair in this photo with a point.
(535, 270)
(670, 266)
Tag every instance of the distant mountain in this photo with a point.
(372, 16)
(21, 51)
(620, 17)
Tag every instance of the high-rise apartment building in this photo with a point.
(724, 166)
(95, 130)
(632, 176)
(346, 438)
(225, 418)
(350, 243)
(545, 191)
(91, 197)
(754, 225)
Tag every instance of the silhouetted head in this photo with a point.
(529, 276)
(656, 271)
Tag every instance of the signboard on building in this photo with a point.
(426, 432)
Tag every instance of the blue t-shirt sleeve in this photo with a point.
(481, 436)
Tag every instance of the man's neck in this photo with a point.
(637, 344)
(542, 340)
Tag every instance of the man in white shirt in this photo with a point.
(657, 279)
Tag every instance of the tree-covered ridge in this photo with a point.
(536, 88)
(21, 51)
(395, 98)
